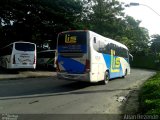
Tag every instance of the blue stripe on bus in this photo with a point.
(71, 66)
(107, 59)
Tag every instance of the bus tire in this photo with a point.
(125, 74)
(106, 78)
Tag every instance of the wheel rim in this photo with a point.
(106, 77)
(126, 73)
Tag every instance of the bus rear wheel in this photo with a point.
(106, 78)
(125, 74)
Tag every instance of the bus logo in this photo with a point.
(70, 39)
(115, 62)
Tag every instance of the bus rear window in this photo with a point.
(72, 42)
(25, 47)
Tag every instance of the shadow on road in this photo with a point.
(5, 71)
(39, 87)
(74, 88)
(50, 90)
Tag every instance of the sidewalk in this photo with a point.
(27, 74)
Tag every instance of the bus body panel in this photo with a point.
(46, 58)
(21, 56)
(23, 60)
(125, 65)
(107, 61)
(74, 68)
(72, 65)
(72, 52)
(97, 62)
(45, 62)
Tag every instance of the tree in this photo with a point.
(155, 44)
(107, 19)
(103, 16)
(137, 37)
(41, 20)
(38, 20)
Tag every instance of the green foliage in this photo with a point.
(108, 20)
(145, 61)
(40, 20)
(155, 44)
(138, 36)
(103, 19)
(149, 96)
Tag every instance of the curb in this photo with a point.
(27, 74)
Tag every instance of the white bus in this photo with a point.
(87, 56)
(18, 55)
(46, 59)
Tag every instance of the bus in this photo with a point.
(46, 59)
(18, 55)
(83, 55)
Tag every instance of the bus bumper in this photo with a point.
(17, 66)
(74, 77)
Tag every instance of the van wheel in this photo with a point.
(106, 78)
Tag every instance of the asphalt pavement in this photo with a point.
(51, 96)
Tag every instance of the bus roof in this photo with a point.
(111, 40)
(108, 39)
(16, 42)
(22, 42)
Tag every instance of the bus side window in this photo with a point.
(94, 39)
(95, 44)
(101, 46)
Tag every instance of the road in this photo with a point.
(52, 96)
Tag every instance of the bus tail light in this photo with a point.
(87, 65)
(34, 62)
(14, 61)
(35, 59)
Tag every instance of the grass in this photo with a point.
(149, 96)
